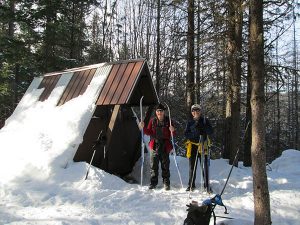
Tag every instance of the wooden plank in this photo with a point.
(115, 84)
(112, 123)
(107, 84)
(131, 81)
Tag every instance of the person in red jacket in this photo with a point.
(159, 130)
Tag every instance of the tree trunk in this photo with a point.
(11, 23)
(157, 69)
(247, 145)
(104, 25)
(235, 23)
(72, 38)
(49, 42)
(190, 98)
(258, 149)
(278, 130)
(228, 118)
(296, 75)
(199, 45)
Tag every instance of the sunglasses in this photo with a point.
(195, 110)
(159, 110)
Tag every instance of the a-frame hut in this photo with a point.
(124, 83)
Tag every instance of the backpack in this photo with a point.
(199, 215)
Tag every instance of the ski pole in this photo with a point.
(94, 147)
(234, 160)
(195, 165)
(142, 140)
(87, 173)
(202, 165)
(207, 157)
(208, 169)
(174, 153)
(191, 182)
(202, 153)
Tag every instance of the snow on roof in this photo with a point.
(42, 135)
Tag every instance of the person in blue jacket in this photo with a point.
(195, 127)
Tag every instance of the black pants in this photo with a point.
(192, 161)
(158, 154)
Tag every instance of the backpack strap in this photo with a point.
(213, 212)
(214, 215)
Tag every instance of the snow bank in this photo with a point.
(40, 137)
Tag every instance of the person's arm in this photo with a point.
(148, 130)
(172, 128)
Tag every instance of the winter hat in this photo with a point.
(160, 106)
(195, 106)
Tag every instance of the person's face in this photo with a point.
(160, 114)
(196, 113)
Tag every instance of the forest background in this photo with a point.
(198, 52)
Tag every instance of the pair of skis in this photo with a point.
(142, 140)
(204, 167)
(173, 144)
(142, 143)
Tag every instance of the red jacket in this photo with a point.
(151, 131)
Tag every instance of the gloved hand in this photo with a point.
(141, 125)
(172, 129)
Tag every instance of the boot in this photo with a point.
(166, 184)
(167, 187)
(190, 189)
(152, 186)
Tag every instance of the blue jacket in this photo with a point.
(195, 128)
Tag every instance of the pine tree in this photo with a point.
(258, 147)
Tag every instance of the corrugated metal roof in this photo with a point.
(77, 85)
(120, 82)
(126, 82)
(48, 83)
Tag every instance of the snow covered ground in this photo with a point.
(65, 198)
(39, 183)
